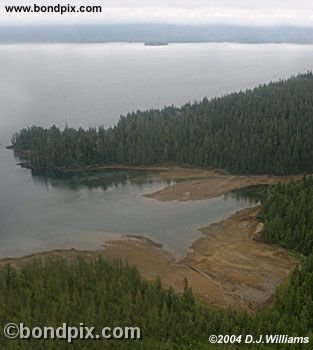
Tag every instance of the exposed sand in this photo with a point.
(247, 272)
(201, 184)
(226, 267)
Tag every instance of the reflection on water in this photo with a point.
(82, 210)
(104, 180)
(253, 194)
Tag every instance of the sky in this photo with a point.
(192, 12)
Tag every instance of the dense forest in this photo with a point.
(265, 130)
(288, 214)
(100, 293)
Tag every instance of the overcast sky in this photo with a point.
(241, 12)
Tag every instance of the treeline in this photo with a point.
(265, 130)
(113, 294)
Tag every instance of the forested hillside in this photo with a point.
(101, 294)
(288, 215)
(265, 130)
(105, 294)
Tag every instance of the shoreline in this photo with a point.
(201, 184)
(225, 267)
(192, 183)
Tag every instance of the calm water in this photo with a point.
(85, 85)
(81, 211)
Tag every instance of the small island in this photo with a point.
(156, 43)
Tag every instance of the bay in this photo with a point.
(92, 84)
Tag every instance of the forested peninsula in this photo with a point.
(266, 130)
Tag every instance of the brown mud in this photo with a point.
(200, 184)
(226, 266)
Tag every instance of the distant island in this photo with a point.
(155, 43)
